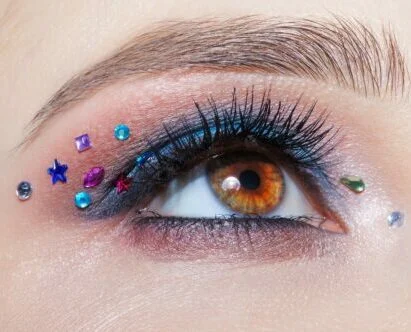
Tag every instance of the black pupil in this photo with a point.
(249, 179)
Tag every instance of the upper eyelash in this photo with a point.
(283, 125)
(306, 141)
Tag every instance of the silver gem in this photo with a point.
(395, 219)
(24, 190)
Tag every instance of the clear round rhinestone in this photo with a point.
(395, 219)
(24, 190)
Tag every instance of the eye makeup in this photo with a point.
(83, 142)
(354, 183)
(93, 177)
(57, 172)
(24, 190)
(122, 132)
(395, 219)
(301, 141)
(155, 107)
(295, 135)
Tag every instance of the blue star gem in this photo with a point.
(57, 172)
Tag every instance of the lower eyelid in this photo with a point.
(165, 238)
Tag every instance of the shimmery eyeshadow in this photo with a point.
(24, 190)
(395, 219)
(93, 177)
(82, 200)
(58, 172)
(354, 183)
(122, 132)
(83, 142)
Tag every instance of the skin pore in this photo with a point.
(60, 273)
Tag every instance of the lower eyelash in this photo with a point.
(229, 237)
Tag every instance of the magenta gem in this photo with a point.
(83, 143)
(93, 177)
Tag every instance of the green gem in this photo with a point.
(354, 183)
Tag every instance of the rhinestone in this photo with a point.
(82, 200)
(58, 172)
(123, 183)
(93, 177)
(83, 143)
(143, 158)
(24, 190)
(122, 132)
(395, 219)
(354, 183)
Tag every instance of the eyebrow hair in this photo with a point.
(338, 51)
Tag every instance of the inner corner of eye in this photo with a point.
(238, 183)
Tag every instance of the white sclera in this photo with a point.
(193, 197)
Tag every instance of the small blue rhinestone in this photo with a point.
(82, 200)
(143, 158)
(122, 132)
(58, 172)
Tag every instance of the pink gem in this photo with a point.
(123, 183)
(93, 177)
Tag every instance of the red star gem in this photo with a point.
(123, 183)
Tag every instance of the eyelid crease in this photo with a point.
(341, 51)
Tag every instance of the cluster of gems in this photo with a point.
(95, 176)
(91, 178)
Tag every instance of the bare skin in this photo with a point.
(58, 273)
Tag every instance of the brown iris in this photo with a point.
(248, 183)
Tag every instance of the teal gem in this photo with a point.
(122, 132)
(82, 200)
(354, 183)
(143, 158)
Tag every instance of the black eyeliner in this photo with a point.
(304, 140)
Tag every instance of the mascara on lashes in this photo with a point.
(292, 130)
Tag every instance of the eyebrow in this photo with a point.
(339, 51)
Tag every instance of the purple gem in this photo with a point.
(83, 143)
(93, 177)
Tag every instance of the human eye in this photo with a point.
(299, 119)
(247, 177)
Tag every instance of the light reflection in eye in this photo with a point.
(193, 195)
(258, 182)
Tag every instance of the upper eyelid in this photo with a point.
(341, 51)
(228, 117)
